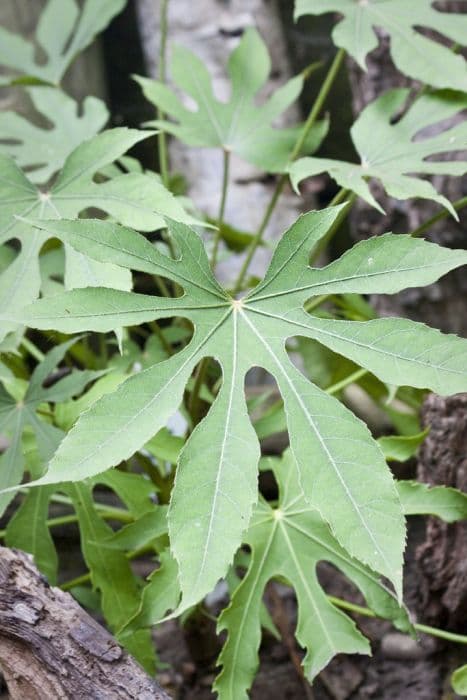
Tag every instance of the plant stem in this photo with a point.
(257, 240)
(319, 102)
(161, 137)
(316, 301)
(312, 117)
(86, 578)
(165, 343)
(220, 218)
(107, 514)
(325, 240)
(354, 377)
(194, 405)
(443, 214)
(32, 350)
(339, 197)
(433, 631)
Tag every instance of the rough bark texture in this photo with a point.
(51, 648)
(443, 556)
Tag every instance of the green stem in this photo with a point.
(220, 218)
(257, 240)
(194, 405)
(433, 631)
(312, 117)
(316, 301)
(32, 350)
(86, 578)
(325, 240)
(319, 102)
(107, 514)
(156, 329)
(339, 197)
(443, 214)
(351, 379)
(162, 138)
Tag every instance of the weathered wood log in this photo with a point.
(51, 648)
(442, 558)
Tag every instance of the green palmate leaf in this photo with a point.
(415, 55)
(108, 566)
(289, 541)
(43, 151)
(159, 595)
(16, 415)
(28, 530)
(134, 199)
(392, 153)
(421, 499)
(459, 680)
(342, 469)
(239, 125)
(77, 30)
(399, 448)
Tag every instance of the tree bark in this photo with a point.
(51, 648)
(442, 558)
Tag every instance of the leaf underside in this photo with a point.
(414, 54)
(394, 153)
(342, 470)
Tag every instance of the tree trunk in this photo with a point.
(50, 648)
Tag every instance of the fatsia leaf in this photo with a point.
(289, 541)
(16, 415)
(459, 680)
(107, 566)
(77, 29)
(42, 152)
(342, 469)
(393, 152)
(414, 54)
(135, 199)
(28, 530)
(421, 499)
(239, 125)
(399, 448)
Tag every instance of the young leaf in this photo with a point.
(400, 448)
(239, 125)
(77, 29)
(42, 152)
(16, 415)
(107, 567)
(289, 541)
(414, 54)
(342, 469)
(459, 681)
(28, 530)
(391, 152)
(421, 499)
(134, 199)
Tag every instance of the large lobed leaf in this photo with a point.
(42, 152)
(17, 415)
(289, 541)
(342, 470)
(62, 32)
(394, 153)
(134, 199)
(238, 125)
(414, 54)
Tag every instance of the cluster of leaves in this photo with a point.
(186, 345)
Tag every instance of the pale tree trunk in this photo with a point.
(212, 29)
